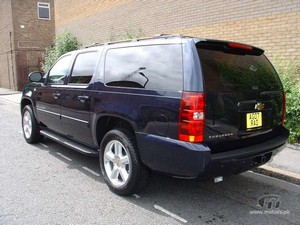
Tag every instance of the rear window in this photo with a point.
(157, 67)
(233, 71)
(83, 68)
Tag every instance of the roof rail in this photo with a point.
(156, 36)
(115, 42)
(167, 35)
(93, 45)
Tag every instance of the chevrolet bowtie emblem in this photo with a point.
(259, 106)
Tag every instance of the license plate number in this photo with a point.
(254, 120)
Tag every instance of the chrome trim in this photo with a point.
(46, 111)
(67, 117)
(78, 86)
(259, 106)
(72, 118)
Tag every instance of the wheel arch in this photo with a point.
(106, 123)
(24, 102)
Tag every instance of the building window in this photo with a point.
(44, 11)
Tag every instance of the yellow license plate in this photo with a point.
(254, 120)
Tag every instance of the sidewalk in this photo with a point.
(288, 159)
(285, 165)
(10, 95)
(5, 91)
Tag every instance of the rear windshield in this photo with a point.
(232, 71)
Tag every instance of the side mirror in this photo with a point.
(35, 76)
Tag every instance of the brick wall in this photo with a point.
(273, 25)
(36, 33)
(32, 38)
(29, 38)
(6, 27)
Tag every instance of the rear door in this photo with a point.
(76, 98)
(244, 96)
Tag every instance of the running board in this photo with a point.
(69, 143)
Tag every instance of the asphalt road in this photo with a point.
(47, 183)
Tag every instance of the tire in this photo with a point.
(30, 127)
(120, 164)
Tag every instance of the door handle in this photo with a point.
(83, 98)
(55, 95)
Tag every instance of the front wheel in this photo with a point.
(120, 164)
(30, 127)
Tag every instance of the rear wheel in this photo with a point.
(30, 127)
(120, 164)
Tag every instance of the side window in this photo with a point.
(148, 67)
(59, 71)
(83, 68)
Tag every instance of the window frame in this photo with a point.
(44, 7)
(65, 76)
(73, 65)
(142, 46)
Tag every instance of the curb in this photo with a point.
(5, 91)
(288, 176)
(294, 146)
(10, 93)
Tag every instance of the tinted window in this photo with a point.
(59, 71)
(83, 68)
(230, 71)
(150, 67)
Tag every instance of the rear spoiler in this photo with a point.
(229, 47)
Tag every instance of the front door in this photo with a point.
(48, 103)
(48, 107)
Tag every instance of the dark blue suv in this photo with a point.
(182, 106)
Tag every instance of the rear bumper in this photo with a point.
(195, 160)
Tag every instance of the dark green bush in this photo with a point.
(126, 34)
(64, 43)
(290, 77)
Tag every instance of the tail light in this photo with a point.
(192, 117)
(283, 107)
